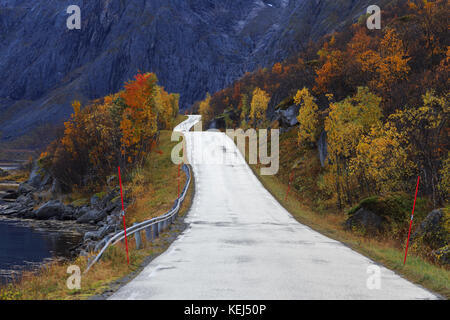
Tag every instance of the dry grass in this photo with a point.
(155, 186)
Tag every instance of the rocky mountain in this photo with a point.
(194, 46)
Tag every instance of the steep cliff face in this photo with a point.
(194, 46)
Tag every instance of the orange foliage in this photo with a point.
(119, 129)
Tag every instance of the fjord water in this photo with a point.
(23, 247)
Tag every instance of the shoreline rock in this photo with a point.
(101, 214)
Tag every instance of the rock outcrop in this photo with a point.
(322, 148)
(433, 231)
(288, 117)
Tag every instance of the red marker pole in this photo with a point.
(289, 185)
(123, 216)
(179, 180)
(410, 222)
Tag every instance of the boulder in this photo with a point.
(69, 213)
(442, 255)
(92, 216)
(365, 220)
(432, 231)
(50, 209)
(80, 211)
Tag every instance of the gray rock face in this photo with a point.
(322, 147)
(194, 46)
(287, 118)
(36, 180)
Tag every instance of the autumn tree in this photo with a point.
(245, 110)
(347, 121)
(258, 106)
(139, 122)
(308, 117)
(118, 129)
(387, 65)
(427, 130)
(205, 109)
(381, 160)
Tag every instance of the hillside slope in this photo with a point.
(194, 46)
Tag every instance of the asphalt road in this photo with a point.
(242, 244)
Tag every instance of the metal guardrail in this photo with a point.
(152, 227)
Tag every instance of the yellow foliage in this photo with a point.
(346, 123)
(205, 108)
(381, 159)
(307, 117)
(258, 106)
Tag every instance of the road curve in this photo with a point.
(242, 244)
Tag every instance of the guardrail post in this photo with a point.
(155, 230)
(138, 238)
(148, 233)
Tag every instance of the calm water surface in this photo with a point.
(25, 247)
